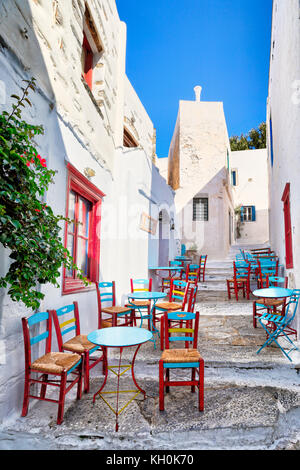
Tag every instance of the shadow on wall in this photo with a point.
(212, 236)
(21, 58)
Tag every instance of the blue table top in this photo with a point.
(273, 293)
(120, 336)
(147, 295)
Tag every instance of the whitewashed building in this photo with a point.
(199, 172)
(283, 123)
(249, 180)
(100, 139)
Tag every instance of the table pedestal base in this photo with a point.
(117, 370)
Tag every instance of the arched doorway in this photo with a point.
(164, 238)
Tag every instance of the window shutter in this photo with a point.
(242, 214)
(253, 214)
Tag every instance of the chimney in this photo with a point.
(197, 91)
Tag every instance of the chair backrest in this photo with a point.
(141, 285)
(192, 273)
(183, 250)
(29, 340)
(191, 327)
(106, 292)
(192, 295)
(66, 320)
(202, 261)
(179, 291)
(176, 263)
(291, 307)
(241, 271)
(275, 280)
(269, 268)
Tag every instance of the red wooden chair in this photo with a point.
(187, 358)
(141, 285)
(58, 364)
(178, 295)
(117, 313)
(240, 281)
(192, 274)
(66, 321)
(192, 295)
(166, 281)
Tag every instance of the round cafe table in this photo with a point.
(273, 293)
(152, 296)
(119, 337)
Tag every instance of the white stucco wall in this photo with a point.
(284, 109)
(198, 163)
(252, 189)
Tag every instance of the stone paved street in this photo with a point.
(251, 401)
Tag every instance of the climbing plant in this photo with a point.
(28, 227)
(239, 224)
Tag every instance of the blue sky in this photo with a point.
(222, 45)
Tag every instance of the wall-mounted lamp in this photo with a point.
(172, 224)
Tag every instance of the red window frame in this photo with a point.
(288, 227)
(82, 187)
(88, 62)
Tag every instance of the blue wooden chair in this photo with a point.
(179, 290)
(106, 292)
(240, 280)
(69, 338)
(141, 285)
(60, 365)
(175, 275)
(187, 358)
(277, 326)
(192, 274)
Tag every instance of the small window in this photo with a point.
(248, 214)
(82, 235)
(234, 177)
(87, 58)
(271, 142)
(200, 209)
(92, 48)
(128, 139)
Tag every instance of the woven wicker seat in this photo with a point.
(108, 323)
(180, 355)
(55, 362)
(140, 303)
(78, 344)
(116, 309)
(270, 302)
(169, 306)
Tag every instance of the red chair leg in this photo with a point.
(81, 372)
(228, 290)
(236, 292)
(201, 385)
(26, 394)
(62, 394)
(44, 385)
(193, 378)
(86, 359)
(161, 386)
(254, 315)
(167, 378)
(162, 333)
